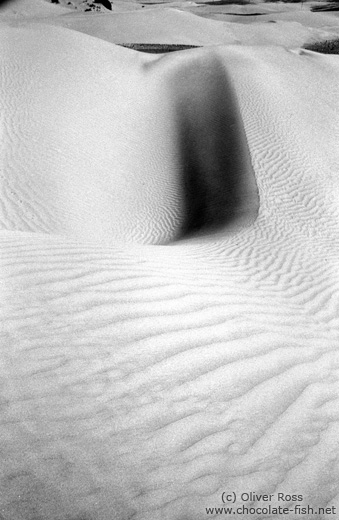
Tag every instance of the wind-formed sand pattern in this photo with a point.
(169, 265)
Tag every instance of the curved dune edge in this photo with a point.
(142, 381)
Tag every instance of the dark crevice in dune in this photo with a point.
(331, 6)
(245, 14)
(225, 2)
(324, 47)
(217, 177)
(157, 48)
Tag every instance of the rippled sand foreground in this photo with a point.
(169, 280)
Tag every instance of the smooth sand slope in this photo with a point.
(139, 380)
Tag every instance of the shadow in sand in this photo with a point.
(244, 14)
(157, 48)
(330, 6)
(218, 181)
(5, 2)
(225, 2)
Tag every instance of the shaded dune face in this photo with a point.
(139, 382)
(216, 174)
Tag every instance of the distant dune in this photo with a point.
(169, 267)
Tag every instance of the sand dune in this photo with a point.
(142, 380)
(175, 26)
(292, 28)
(84, 144)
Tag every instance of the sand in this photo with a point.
(169, 269)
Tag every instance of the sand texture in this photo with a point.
(169, 254)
